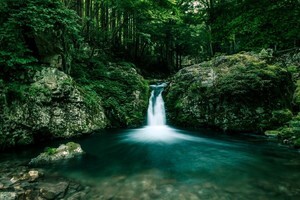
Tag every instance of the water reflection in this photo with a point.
(162, 162)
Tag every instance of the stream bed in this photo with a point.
(161, 162)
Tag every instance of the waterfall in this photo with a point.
(156, 130)
(156, 109)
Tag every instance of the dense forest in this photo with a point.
(60, 59)
(149, 99)
(160, 36)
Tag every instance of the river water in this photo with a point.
(145, 164)
(129, 164)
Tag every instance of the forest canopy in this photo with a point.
(155, 35)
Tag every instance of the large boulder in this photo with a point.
(51, 106)
(52, 155)
(240, 92)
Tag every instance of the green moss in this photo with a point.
(16, 91)
(50, 151)
(297, 143)
(72, 146)
(297, 94)
(290, 133)
(90, 97)
(292, 69)
(37, 90)
(230, 99)
(272, 133)
(280, 117)
(122, 91)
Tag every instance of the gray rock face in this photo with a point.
(233, 93)
(53, 106)
(63, 152)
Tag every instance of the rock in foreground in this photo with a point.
(19, 182)
(63, 152)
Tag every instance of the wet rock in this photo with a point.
(14, 180)
(8, 195)
(77, 196)
(33, 175)
(64, 151)
(53, 190)
(22, 183)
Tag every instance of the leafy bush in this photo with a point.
(280, 117)
(290, 133)
(16, 90)
(123, 92)
(50, 151)
(33, 28)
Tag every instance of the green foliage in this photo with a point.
(252, 81)
(290, 133)
(252, 25)
(297, 94)
(123, 93)
(272, 133)
(236, 93)
(16, 90)
(50, 151)
(72, 146)
(30, 29)
(280, 117)
(37, 90)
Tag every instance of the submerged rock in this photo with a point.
(235, 93)
(63, 152)
(8, 195)
(28, 184)
(53, 190)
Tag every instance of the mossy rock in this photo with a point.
(54, 155)
(124, 93)
(290, 133)
(51, 106)
(50, 151)
(272, 133)
(280, 117)
(72, 146)
(236, 93)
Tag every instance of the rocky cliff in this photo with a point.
(234, 93)
(50, 105)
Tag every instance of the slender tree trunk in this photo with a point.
(211, 51)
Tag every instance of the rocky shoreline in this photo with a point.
(21, 182)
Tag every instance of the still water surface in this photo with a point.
(161, 162)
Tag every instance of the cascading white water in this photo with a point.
(156, 129)
(156, 109)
